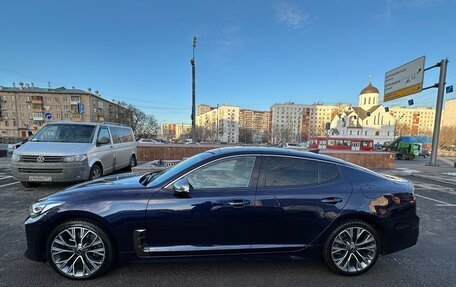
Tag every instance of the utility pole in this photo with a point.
(438, 111)
(192, 62)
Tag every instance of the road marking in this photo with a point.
(442, 203)
(11, 183)
(6, 177)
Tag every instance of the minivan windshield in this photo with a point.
(68, 133)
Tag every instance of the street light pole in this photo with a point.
(192, 62)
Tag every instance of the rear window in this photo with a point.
(283, 171)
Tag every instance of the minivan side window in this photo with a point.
(285, 171)
(127, 135)
(103, 135)
(116, 134)
(226, 173)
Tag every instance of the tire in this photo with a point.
(133, 162)
(361, 256)
(97, 257)
(95, 172)
(28, 184)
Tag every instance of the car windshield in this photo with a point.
(69, 133)
(159, 178)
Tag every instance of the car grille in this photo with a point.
(33, 158)
(41, 170)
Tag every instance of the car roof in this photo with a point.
(225, 151)
(88, 124)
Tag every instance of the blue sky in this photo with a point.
(249, 53)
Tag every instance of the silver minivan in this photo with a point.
(71, 151)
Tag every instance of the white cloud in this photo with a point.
(291, 15)
(391, 5)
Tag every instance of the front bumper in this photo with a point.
(35, 231)
(60, 171)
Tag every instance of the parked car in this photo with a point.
(69, 151)
(150, 141)
(13, 147)
(229, 202)
(291, 145)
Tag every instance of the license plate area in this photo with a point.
(40, 178)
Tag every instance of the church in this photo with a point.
(369, 120)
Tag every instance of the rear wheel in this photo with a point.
(95, 172)
(28, 184)
(352, 248)
(79, 249)
(133, 162)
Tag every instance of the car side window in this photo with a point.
(327, 172)
(103, 135)
(284, 171)
(227, 173)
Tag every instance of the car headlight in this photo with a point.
(41, 207)
(72, 158)
(15, 157)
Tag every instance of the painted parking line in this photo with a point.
(5, 177)
(441, 203)
(11, 183)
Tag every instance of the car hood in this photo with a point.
(120, 182)
(53, 149)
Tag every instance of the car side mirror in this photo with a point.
(102, 141)
(182, 187)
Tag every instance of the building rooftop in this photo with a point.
(61, 90)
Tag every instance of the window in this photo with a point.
(116, 134)
(282, 171)
(103, 135)
(228, 173)
(65, 133)
(327, 172)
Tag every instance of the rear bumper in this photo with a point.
(75, 171)
(400, 233)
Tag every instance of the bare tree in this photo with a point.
(143, 125)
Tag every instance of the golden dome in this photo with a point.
(369, 89)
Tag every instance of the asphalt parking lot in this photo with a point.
(430, 263)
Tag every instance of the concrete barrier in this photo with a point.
(149, 152)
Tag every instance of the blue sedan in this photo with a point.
(227, 203)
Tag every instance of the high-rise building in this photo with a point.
(219, 125)
(286, 122)
(25, 109)
(203, 108)
(253, 126)
(175, 131)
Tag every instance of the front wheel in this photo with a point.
(95, 172)
(133, 162)
(79, 249)
(352, 248)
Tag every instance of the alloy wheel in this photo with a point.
(353, 249)
(78, 252)
(96, 173)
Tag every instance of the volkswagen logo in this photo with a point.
(40, 159)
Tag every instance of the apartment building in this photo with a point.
(203, 108)
(417, 121)
(286, 120)
(25, 109)
(254, 126)
(220, 124)
(175, 131)
(449, 114)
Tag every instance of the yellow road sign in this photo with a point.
(404, 92)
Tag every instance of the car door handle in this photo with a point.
(332, 200)
(238, 202)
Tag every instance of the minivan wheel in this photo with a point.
(133, 162)
(79, 249)
(95, 172)
(28, 184)
(351, 248)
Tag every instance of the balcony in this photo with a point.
(37, 100)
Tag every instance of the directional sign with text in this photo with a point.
(404, 80)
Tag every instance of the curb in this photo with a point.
(432, 178)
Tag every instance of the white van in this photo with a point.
(71, 151)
